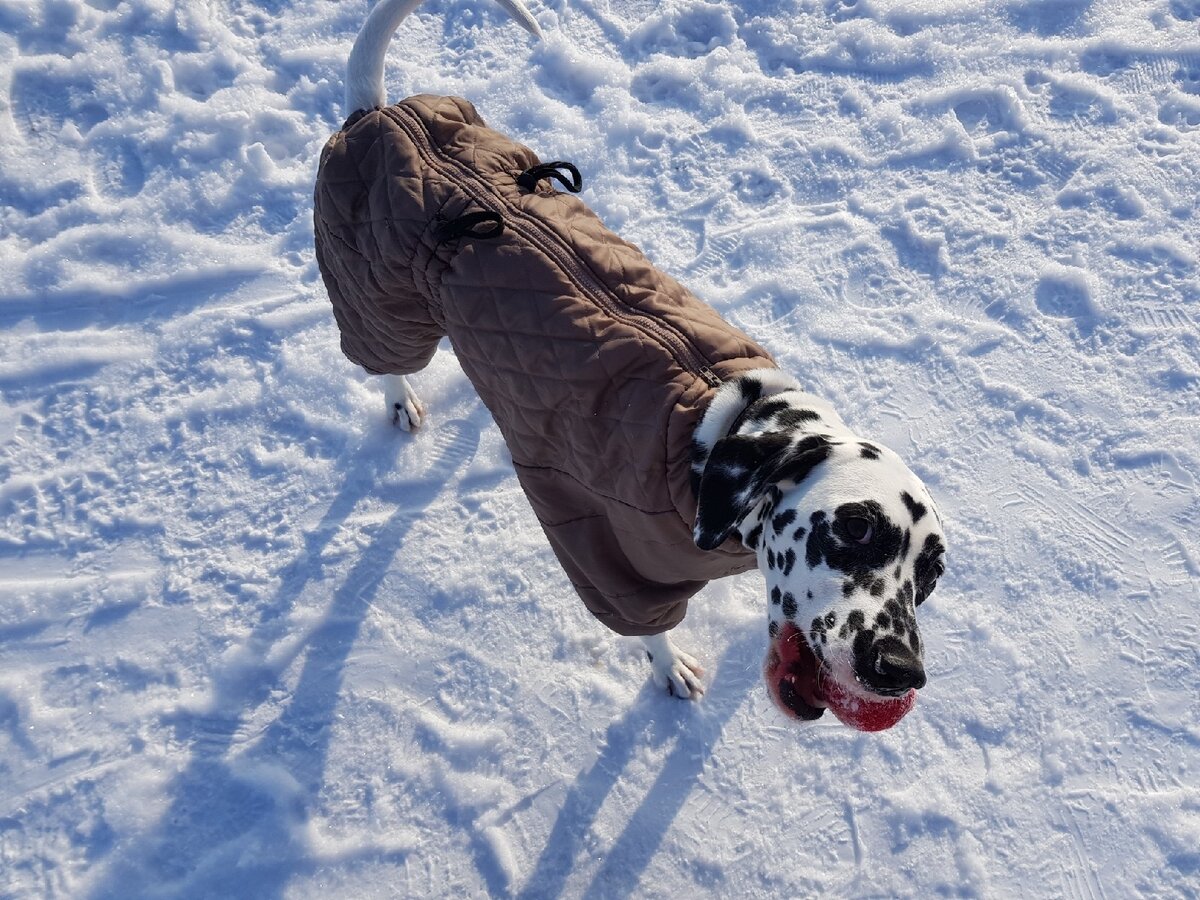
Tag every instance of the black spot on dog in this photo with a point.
(771, 559)
(773, 629)
(649, 656)
(855, 622)
(883, 620)
(929, 567)
(819, 631)
(831, 542)
(799, 535)
(789, 560)
(862, 644)
(812, 551)
(915, 508)
(791, 418)
(805, 456)
(776, 595)
(901, 611)
(868, 451)
(768, 409)
(862, 580)
(750, 389)
(810, 595)
(753, 537)
(783, 520)
(830, 618)
(789, 606)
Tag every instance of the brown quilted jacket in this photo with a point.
(596, 366)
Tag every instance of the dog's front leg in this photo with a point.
(673, 669)
(404, 407)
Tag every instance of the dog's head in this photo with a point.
(849, 541)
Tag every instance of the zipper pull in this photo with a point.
(709, 376)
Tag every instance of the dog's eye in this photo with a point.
(860, 529)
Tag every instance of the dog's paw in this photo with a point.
(674, 671)
(404, 407)
(408, 414)
(680, 675)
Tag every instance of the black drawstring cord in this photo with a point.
(530, 177)
(467, 225)
(484, 225)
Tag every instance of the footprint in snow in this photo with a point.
(1066, 292)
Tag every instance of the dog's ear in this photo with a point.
(739, 471)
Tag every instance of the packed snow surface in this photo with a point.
(255, 642)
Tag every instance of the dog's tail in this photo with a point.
(364, 69)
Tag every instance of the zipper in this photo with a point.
(538, 235)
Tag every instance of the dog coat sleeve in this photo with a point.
(387, 333)
(372, 258)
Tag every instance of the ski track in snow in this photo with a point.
(255, 643)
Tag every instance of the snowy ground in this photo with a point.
(253, 642)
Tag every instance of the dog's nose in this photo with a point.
(892, 667)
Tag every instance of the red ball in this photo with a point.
(802, 689)
(867, 715)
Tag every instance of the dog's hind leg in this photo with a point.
(404, 407)
(674, 670)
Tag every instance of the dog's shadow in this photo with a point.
(653, 719)
(229, 815)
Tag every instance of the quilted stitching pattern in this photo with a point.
(596, 409)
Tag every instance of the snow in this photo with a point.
(255, 642)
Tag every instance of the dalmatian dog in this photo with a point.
(847, 537)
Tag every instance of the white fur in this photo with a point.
(364, 69)
(404, 407)
(728, 402)
(674, 671)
